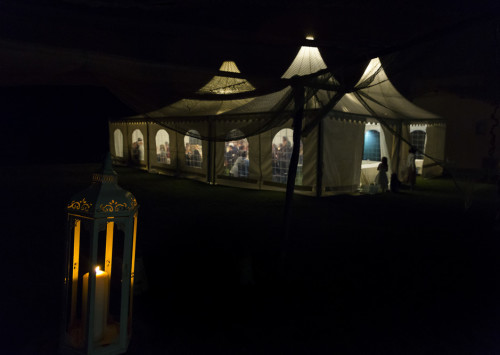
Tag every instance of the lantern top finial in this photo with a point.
(108, 165)
(104, 198)
(106, 174)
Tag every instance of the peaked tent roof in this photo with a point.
(219, 85)
(307, 61)
(232, 98)
(374, 97)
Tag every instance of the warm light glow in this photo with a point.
(100, 303)
(310, 38)
(76, 266)
(307, 61)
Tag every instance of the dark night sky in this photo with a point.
(57, 124)
(69, 123)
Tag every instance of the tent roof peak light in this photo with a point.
(225, 85)
(229, 66)
(307, 61)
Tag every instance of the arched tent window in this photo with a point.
(162, 147)
(137, 145)
(282, 146)
(193, 149)
(236, 161)
(418, 141)
(371, 149)
(118, 137)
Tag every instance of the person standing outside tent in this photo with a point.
(411, 168)
(381, 179)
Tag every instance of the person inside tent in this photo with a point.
(230, 155)
(138, 150)
(196, 162)
(243, 164)
(284, 155)
(162, 156)
(188, 154)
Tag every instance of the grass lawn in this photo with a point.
(409, 273)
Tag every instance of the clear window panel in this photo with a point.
(162, 147)
(371, 149)
(193, 149)
(282, 146)
(418, 141)
(137, 145)
(118, 136)
(236, 160)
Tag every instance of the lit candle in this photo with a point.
(100, 304)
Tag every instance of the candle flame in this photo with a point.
(98, 271)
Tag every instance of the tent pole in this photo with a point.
(292, 168)
(398, 147)
(319, 168)
(148, 144)
(210, 153)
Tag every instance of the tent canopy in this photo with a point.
(228, 98)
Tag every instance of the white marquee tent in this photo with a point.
(202, 136)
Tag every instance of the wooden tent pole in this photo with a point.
(292, 168)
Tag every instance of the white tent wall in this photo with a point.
(434, 147)
(115, 147)
(342, 155)
(310, 162)
(341, 165)
(260, 156)
(342, 145)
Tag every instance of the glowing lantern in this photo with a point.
(99, 279)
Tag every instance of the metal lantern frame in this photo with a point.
(100, 263)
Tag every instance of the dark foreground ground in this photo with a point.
(412, 273)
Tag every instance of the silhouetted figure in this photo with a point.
(381, 179)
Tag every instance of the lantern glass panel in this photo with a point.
(79, 264)
(116, 276)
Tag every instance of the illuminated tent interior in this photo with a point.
(229, 133)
